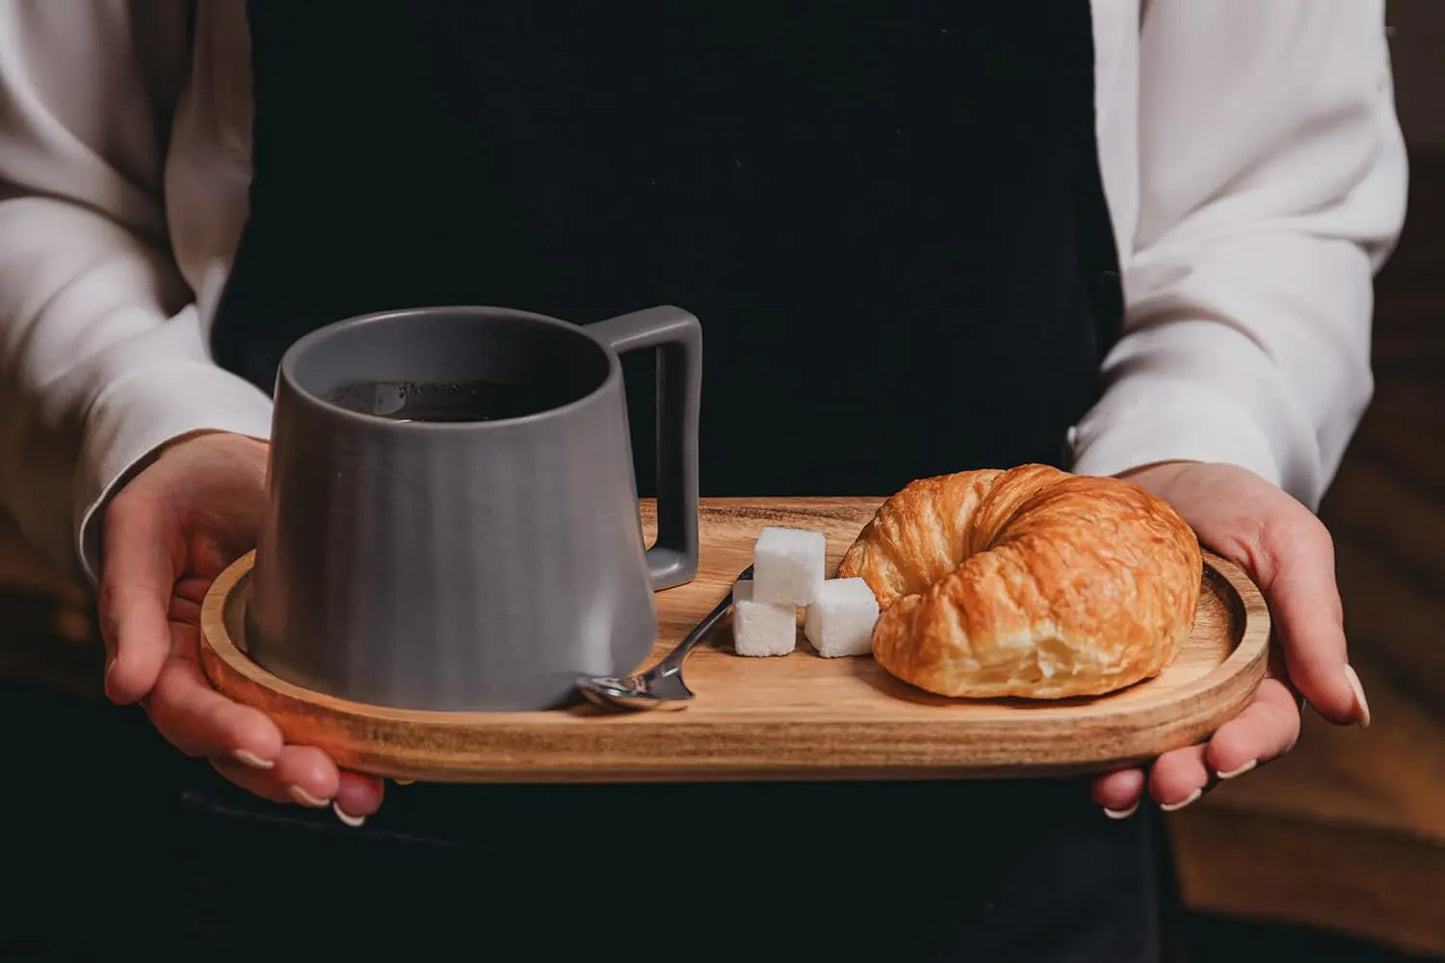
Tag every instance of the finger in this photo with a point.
(1297, 574)
(1278, 669)
(199, 721)
(1119, 792)
(187, 597)
(308, 776)
(357, 797)
(301, 775)
(254, 781)
(1178, 778)
(139, 564)
(1268, 727)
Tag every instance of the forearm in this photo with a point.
(1272, 184)
(103, 361)
(102, 358)
(1259, 357)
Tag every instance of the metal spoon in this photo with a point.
(660, 687)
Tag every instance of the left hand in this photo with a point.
(1288, 553)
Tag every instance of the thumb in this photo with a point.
(1294, 564)
(141, 556)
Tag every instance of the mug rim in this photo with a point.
(286, 370)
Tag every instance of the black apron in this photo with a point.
(888, 217)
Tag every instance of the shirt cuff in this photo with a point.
(135, 416)
(1143, 421)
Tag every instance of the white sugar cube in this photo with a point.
(841, 618)
(762, 628)
(788, 565)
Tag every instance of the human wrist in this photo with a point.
(139, 418)
(1165, 467)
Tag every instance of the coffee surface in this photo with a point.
(457, 401)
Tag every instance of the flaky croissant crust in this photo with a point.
(1027, 582)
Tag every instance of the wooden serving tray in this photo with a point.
(795, 717)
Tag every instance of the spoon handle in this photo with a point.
(674, 659)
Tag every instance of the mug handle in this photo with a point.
(673, 558)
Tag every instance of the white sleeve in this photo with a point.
(102, 356)
(1272, 182)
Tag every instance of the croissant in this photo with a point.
(1027, 582)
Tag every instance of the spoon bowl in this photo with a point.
(660, 687)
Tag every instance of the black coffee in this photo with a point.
(449, 400)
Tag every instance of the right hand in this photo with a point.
(168, 533)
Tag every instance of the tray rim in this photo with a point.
(1197, 707)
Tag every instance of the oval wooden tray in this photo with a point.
(795, 717)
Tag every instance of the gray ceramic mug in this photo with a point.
(469, 564)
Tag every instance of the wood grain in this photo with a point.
(794, 717)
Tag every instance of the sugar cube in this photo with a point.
(762, 628)
(788, 565)
(841, 617)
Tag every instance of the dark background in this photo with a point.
(1336, 852)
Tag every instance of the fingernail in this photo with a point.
(251, 759)
(1122, 813)
(1362, 705)
(353, 821)
(1240, 771)
(403, 782)
(1173, 807)
(305, 798)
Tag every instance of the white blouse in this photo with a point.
(1250, 154)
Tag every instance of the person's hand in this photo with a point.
(1288, 553)
(167, 534)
